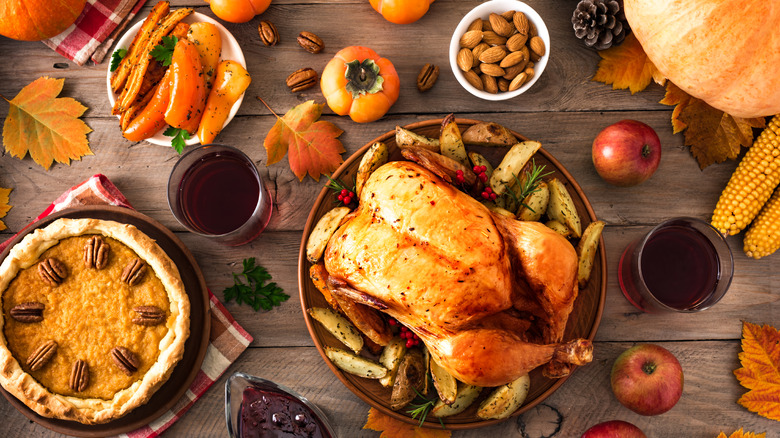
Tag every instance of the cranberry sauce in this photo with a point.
(274, 414)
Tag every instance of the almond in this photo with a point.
(489, 84)
(492, 55)
(516, 42)
(521, 23)
(518, 81)
(473, 79)
(503, 84)
(476, 51)
(486, 25)
(470, 39)
(492, 38)
(532, 32)
(500, 25)
(508, 16)
(492, 70)
(529, 71)
(513, 58)
(511, 72)
(536, 44)
(475, 25)
(465, 59)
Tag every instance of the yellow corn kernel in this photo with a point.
(752, 183)
(763, 237)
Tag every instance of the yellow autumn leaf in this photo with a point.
(4, 206)
(392, 428)
(760, 372)
(627, 66)
(740, 434)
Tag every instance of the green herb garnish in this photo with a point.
(180, 136)
(528, 184)
(254, 292)
(117, 57)
(164, 52)
(422, 409)
(338, 188)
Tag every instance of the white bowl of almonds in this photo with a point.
(499, 49)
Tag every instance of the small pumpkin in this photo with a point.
(238, 11)
(35, 20)
(401, 11)
(724, 52)
(359, 83)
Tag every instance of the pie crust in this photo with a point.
(173, 332)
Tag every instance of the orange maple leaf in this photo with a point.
(312, 143)
(740, 434)
(714, 136)
(760, 372)
(392, 428)
(4, 206)
(627, 66)
(44, 125)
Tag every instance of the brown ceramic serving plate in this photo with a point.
(583, 321)
(194, 349)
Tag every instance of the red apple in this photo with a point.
(626, 153)
(614, 429)
(647, 379)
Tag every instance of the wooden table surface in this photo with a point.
(564, 110)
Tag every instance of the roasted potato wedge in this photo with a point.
(451, 142)
(586, 251)
(505, 399)
(326, 226)
(426, 381)
(390, 358)
(535, 204)
(562, 209)
(466, 396)
(512, 164)
(500, 210)
(408, 380)
(374, 157)
(354, 364)
(478, 159)
(445, 384)
(338, 326)
(559, 228)
(405, 138)
(488, 134)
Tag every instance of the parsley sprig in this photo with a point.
(117, 57)
(164, 52)
(255, 292)
(528, 184)
(180, 136)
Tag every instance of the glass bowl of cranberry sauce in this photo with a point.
(255, 407)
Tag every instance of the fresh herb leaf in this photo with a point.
(180, 136)
(337, 186)
(422, 409)
(254, 292)
(164, 52)
(528, 184)
(117, 57)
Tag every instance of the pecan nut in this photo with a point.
(52, 271)
(28, 312)
(134, 272)
(148, 315)
(42, 355)
(79, 376)
(302, 79)
(96, 253)
(310, 42)
(428, 76)
(268, 33)
(125, 359)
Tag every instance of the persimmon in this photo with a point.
(188, 88)
(401, 11)
(359, 83)
(238, 11)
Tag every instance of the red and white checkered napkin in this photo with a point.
(95, 30)
(227, 339)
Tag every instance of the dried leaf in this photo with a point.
(44, 125)
(627, 66)
(392, 428)
(740, 434)
(312, 143)
(760, 372)
(4, 206)
(713, 135)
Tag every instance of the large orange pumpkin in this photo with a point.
(35, 20)
(725, 52)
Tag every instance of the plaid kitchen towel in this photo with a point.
(227, 339)
(95, 30)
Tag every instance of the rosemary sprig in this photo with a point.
(529, 184)
(423, 409)
(338, 188)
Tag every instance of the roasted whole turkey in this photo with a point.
(488, 295)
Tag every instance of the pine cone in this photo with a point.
(599, 23)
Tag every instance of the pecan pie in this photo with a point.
(94, 319)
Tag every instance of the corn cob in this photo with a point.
(751, 185)
(763, 237)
